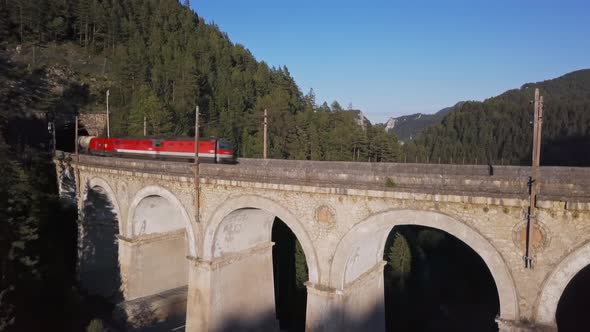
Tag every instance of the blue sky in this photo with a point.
(390, 58)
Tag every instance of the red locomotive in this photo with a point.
(213, 150)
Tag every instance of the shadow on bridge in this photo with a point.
(333, 321)
(145, 319)
(99, 276)
(161, 312)
(98, 265)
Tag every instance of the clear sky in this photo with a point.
(390, 57)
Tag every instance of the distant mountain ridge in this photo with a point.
(499, 129)
(408, 127)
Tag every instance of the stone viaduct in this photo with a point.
(219, 265)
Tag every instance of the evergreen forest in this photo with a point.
(499, 130)
(159, 60)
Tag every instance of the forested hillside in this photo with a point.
(37, 233)
(499, 129)
(159, 59)
(409, 127)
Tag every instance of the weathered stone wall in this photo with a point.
(571, 183)
(94, 123)
(342, 213)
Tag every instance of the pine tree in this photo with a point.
(400, 259)
(146, 104)
(301, 273)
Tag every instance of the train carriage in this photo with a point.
(211, 150)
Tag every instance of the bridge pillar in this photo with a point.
(359, 306)
(234, 292)
(152, 264)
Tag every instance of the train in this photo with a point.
(212, 150)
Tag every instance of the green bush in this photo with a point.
(390, 183)
(95, 326)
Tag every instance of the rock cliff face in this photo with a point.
(362, 119)
(408, 127)
(94, 123)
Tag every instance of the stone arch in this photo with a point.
(557, 281)
(264, 207)
(358, 251)
(101, 183)
(156, 191)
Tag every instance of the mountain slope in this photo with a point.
(156, 50)
(408, 127)
(159, 59)
(499, 129)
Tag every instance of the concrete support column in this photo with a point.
(125, 262)
(358, 307)
(152, 264)
(324, 308)
(234, 292)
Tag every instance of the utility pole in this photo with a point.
(76, 137)
(77, 159)
(196, 164)
(534, 179)
(51, 129)
(54, 141)
(108, 124)
(264, 154)
(144, 125)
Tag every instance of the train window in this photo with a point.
(225, 145)
(157, 142)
